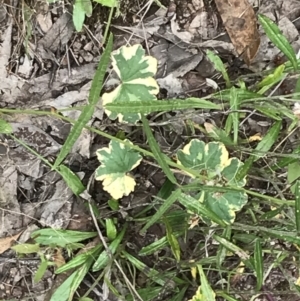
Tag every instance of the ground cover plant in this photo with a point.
(216, 231)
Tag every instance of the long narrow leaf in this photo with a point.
(206, 291)
(219, 66)
(233, 248)
(172, 240)
(297, 206)
(258, 264)
(104, 257)
(163, 208)
(234, 106)
(263, 146)
(146, 107)
(196, 207)
(278, 39)
(159, 156)
(88, 111)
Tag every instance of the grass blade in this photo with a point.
(235, 249)
(206, 291)
(172, 240)
(146, 107)
(72, 180)
(159, 156)
(297, 206)
(219, 66)
(263, 146)
(226, 297)
(258, 264)
(222, 251)
(88, 111)
(234, 106)
(104, 257)
(162, 209)
(195, 206)
(278, 39)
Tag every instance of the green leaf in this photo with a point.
(293, 173)
(60, 238)
(206, 291)
(269, 111)
(78, 15)
(5, 127)
(162, 209)
(199, 156)
(66, 291)
(219, 66)
(26, 248)
(234, 106)
(196, 207)
(104, 257)
(242, 94)
(263, 146)
(136, 72)
(108, 3)
(173, 242)
(41, 270)
(258, 264)
(297, 206)
(226, 297)
(72, 180)
(272, 78)
(282, 235)
(88, 110)
(217, 134)
(151, 273)
(278, 39)
(235, 249)
(113, 205)
(111, 230)
(80, 259)
(116, 161)
(146, 107)
(87, 7)
(159, 156)
(212, 160)
(63, 293)
(268, 141)
(221, 254)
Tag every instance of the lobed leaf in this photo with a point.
(117, 161)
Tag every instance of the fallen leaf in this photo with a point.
(256, 137)
(241, 24)
(6, 242)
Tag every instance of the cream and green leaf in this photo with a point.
(212, 162)
(117, 160)
(136, 71)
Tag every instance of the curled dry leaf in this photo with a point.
(6, 242)
(241, 24)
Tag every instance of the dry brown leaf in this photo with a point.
(241, 24)
(6, 242)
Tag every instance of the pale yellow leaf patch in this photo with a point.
(256, 137)
(118, 185)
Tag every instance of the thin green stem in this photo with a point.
(108, 25)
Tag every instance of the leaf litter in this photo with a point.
(177, 39)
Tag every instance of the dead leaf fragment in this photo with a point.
(256, 137)
(241, 24)
(6, 242)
